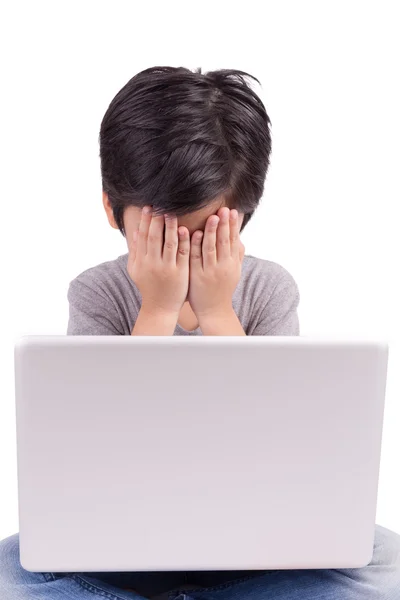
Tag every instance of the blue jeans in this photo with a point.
(379, 580)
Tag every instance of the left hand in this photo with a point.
(215, 264)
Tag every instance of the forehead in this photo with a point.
(193, 221)
(198, 219)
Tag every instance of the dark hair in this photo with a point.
(177, 140)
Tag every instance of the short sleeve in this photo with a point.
(91, 312)
(280, 316)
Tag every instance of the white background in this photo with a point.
(330, 83)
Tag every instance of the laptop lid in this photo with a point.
(192, 453)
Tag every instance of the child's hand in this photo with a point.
(215, 265)
(160, 269)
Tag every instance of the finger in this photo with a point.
(155, 237)
(143, 231)
(209, 242)
(223, 235)
(196, 254)
(171, 239)
(234, 233)
(182, 257)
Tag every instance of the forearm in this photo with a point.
(152, 322)
(225, 323)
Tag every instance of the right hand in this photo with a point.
(160, 270)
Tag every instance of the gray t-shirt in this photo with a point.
(103, 300)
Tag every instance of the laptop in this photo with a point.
(197, 453)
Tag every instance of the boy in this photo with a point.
(191, 146)
(184, 158)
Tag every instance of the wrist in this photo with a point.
(159, 312)
(220, 322)
(155, 321)
(216, 313)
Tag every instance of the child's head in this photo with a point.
(185, 143)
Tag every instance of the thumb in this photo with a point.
(133, 245)
(241, 250)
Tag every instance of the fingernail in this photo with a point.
(234, 213)
(146, 210)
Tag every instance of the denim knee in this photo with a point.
(386, 548)
(11, 570)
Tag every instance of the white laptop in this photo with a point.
(194, 453)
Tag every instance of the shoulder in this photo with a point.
(268, 276)
(270, 298)
(106, 279)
